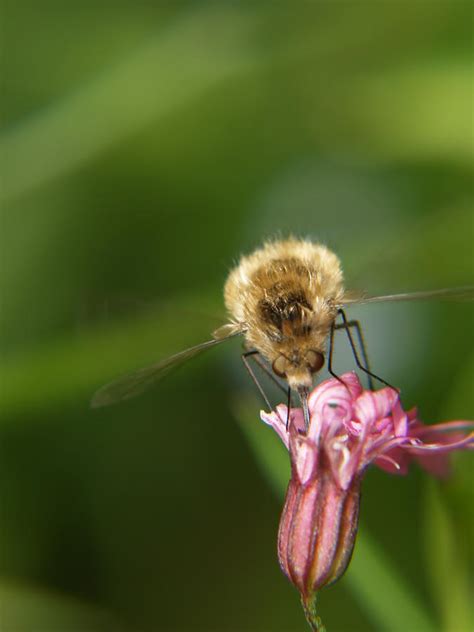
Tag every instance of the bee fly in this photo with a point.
(284, 299)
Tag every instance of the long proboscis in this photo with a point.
(303, 393)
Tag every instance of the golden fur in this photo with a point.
(284, 298)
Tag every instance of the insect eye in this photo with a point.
(314, 360)
(279, 366)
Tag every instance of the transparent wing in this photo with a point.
(457, 293)
(135, 383)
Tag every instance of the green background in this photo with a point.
(145, 146)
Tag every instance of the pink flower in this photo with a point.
(349, 429)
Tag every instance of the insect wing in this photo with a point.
(135, 383)
(458, 293)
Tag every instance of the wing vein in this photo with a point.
(458, 293)
(134, 383)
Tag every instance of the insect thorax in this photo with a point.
(285, 313)
(284, 296)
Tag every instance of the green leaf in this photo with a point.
(144, 87)
(447, 562)
(449, 513)
(69, 368)
(28, 609)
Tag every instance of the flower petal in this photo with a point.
(437, 464)
(447, 426)
(275, 420)
(465, 442)
(372, 406)
(400, 419)
(304, 456)
(387, 461)
(349, 384)
(330, 405)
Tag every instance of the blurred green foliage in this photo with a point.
(144, 147)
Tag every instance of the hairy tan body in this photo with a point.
(284, 297)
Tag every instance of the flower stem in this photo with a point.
(309, 608)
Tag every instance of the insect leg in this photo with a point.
(246, 362)
(347, 325)
(331, 349)
(261, 363)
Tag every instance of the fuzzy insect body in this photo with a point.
(284, 298)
